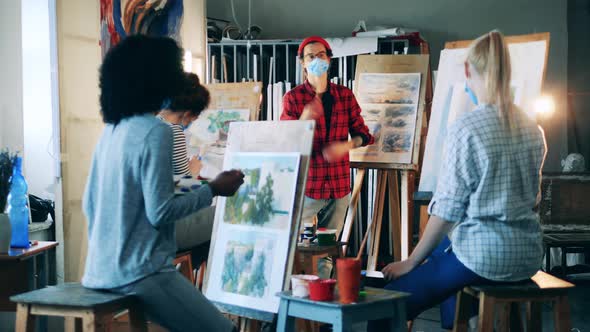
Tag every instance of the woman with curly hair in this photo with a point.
(129, 199)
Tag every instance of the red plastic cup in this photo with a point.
(322, 290)
(349, 279)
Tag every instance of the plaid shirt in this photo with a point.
(488, 186)
(328, 180)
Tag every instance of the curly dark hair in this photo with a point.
(194, 98)
(137, 75)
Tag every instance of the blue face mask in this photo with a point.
(471, 94)
(184, 127)
(318, 67)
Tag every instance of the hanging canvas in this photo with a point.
(122, 18)
(389, 104)
(250, 244)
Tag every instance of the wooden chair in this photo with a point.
(82, 308)
(542, 287)
(184, 259)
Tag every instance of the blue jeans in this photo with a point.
(437, 281)
(170, 300)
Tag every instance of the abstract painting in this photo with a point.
(389, 104)
(208, 137)
(252, 232)
(122, 18)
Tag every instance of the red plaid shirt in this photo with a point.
(328, 180)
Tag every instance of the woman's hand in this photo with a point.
(227, 183)
(195, 166)
(397, 269)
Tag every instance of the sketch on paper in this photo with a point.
(389, 88)
(247, 265)
(208, 137)
(267, 196)
(389, 104)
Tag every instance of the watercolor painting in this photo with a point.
(208, 137)
(389, 104)
(267, 196)
(122, 18)
(247, 265)
(389, 88)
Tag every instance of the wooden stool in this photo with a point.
(542, 287)
(186, 265)
(93, 309)
(377, 304)
(307, 256)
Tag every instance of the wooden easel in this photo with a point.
(396, 179)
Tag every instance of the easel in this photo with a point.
(422, 198)
(400, 191)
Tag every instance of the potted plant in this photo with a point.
(6, 163)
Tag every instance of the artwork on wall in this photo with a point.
(528, 60)
(121, 18)
(389, 104)
(208, 137)
(252, 233)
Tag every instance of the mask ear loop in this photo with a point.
(470, 93)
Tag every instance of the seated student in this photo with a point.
(487, 193)
(194, 231)
(180, 114)
(129, 199)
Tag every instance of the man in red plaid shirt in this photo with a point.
(337, 114)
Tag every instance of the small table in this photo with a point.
(23, 270)
(306, 260)
(377, 304)
(569, 242)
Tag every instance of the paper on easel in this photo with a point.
(287, 87)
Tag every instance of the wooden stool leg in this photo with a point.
(72, 324)
(462, 311)
(137, 321)
(486, 313)
(90, 323)
(503, 317)
(561, 312)
(515, 319)
(533, 317)
(25, 322)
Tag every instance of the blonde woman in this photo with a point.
(486, 196)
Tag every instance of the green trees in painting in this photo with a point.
(249, 205)
(219, 121)
(243, 273)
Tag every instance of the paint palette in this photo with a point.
(186, 184)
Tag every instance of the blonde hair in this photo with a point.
(490, 57)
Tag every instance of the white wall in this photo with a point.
(37, 104)
(11, 117)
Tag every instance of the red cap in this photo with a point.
(313, 39)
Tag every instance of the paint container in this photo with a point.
(308, 232)
(322, 290)
(348, 271)
(326, 237)
(300, 284)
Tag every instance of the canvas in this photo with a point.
(252, 231)
(208, 137)
(450, 100)
(389, 104)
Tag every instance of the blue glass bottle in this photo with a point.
(18, 211)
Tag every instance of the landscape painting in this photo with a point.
(247, 265)
(389, 88)
(389, 104)
(252, 231)
(267, 196)
(208, 137)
